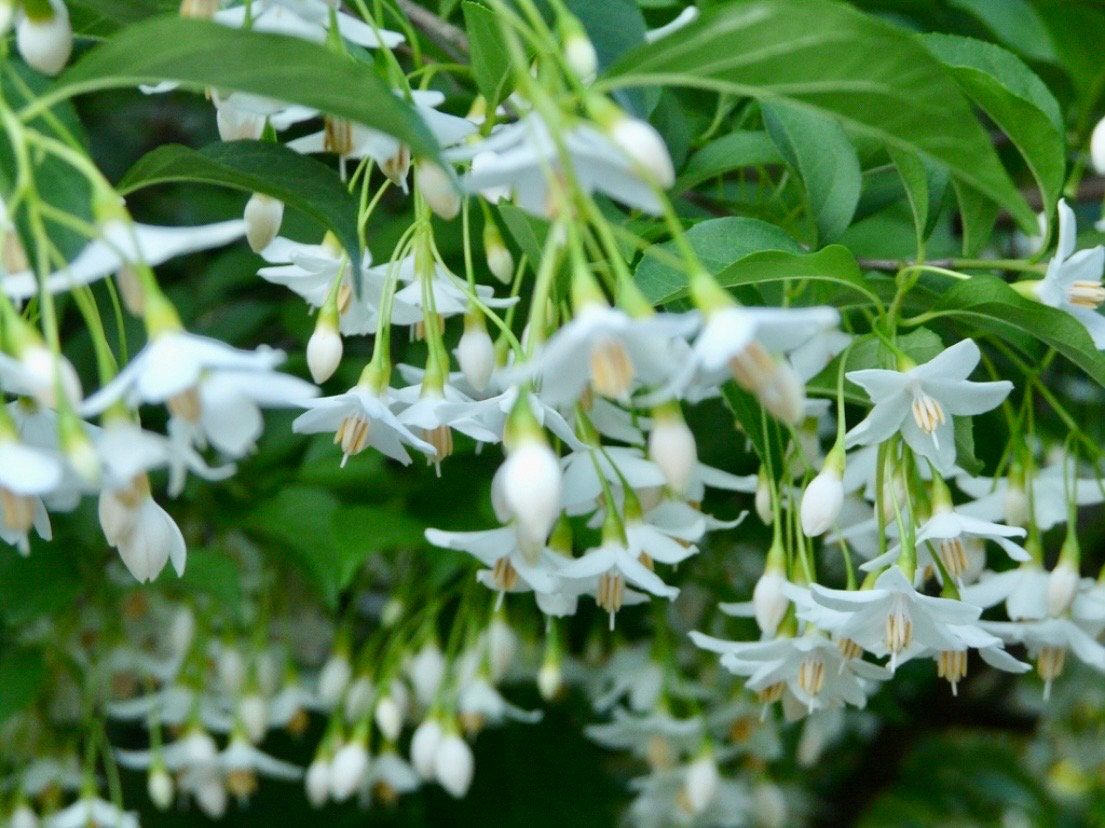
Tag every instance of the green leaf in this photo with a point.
(718, 243)
(995, 307)
(528, 231)
(816, 147)
(489, 61)
(925, 185)
(834, 264)
(750, 419)
(743, 148)
(99, 18)
(210, 573)
(1015, 99)
(1015, 23)
(978, 214)
(297, 180)
(200, 54)
(22, 674)
(829, 58)
(616, 27)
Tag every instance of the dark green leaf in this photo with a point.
(1016, 23)
(925, 185)
(200, 53)
(743, 148)
(978, 214)
(834, 264)
(1015, 99)
(489, 61)
(210, 573)
(818, 150)
(993, 306)
(301, 182)
(100, 18)
(750, 419)
(828, 57)
(528, 231)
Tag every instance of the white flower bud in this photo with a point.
(671, 445)
(324, 350)
(254, 714)
(580, 55)
(642, 143)
(389, 718)
(317, 782)
(437, 188)
(45, 43)
(7, 14)
(701, 783)
(263, 218)
(211, 796)
(1097, 147)
(822, 501)
(334, 678)
(232, 669)
(769, 806)
(531, 486)
(1016, 505)
(181, 630)
(476, 355)
(499, 259)
(159, 785)
(1062, 584)
(426, 671)
(199, 748)
(762, 501)
(550, 679)
(502, 644)
(40, 364)
(454, 765)
(358, 698)
(424, 744)
(236, 124)
(348, 770)
(768, 601)
(23, 817)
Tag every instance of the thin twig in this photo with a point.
(453, 41)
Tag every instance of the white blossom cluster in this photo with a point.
(599, 493)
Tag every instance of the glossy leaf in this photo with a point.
(925, 185)
(834, 264)
(742, 148)
(200, 54)
(301, 182)
(1015, 99)
(1016, 23)
(489, 61)
(830, 58)
(819, 151)
(989, 303)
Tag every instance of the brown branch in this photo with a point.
(453, 41)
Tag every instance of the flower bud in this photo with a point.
(181, 630)
(822, 501)
(317, 782)
(334, 678)
(424, 744)
(1097, 147)
(348, 770)
(762, 500)
(159, 785)
(642, 143)
(550, 679)
(769, 806)
(254, 715)
(231, 669)
(1015, 504)
(45, 371)
(211, 796)
(476, 352)
(389, 718)
(454, 765)
(531, 488)
(1062, 584)
(263, 217)
(358, 698)
(437, 188)
(23, 817)
(701, 783)
(499, 259)
(768, 601)
(426, 671)
(502, 645)
(45, 42)
(671, 445)
(324, 350)
(579, 51)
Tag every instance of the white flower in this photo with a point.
(1073, 280)
(145, 534)
(45, 43)
(607, 568)
(655, 736)
(607, 348)
(520, 156)
(121, 243)
(424, 746)
(454, 765)
(361, 418)
(582, 486)
(672, 447)
(890, 617)
(389, 776)
(530, 485)
(1048, 641)
(1097, 147)
(309, 20)
(1023, 589)
(348, 769)
(91, 810)
(426, 671)
(1049, 496)
(26, 475)
(480, 702)
(822, 501)
(921, 402)
(701, 785)
(500, 551)
(240, 756)
(948, 532)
